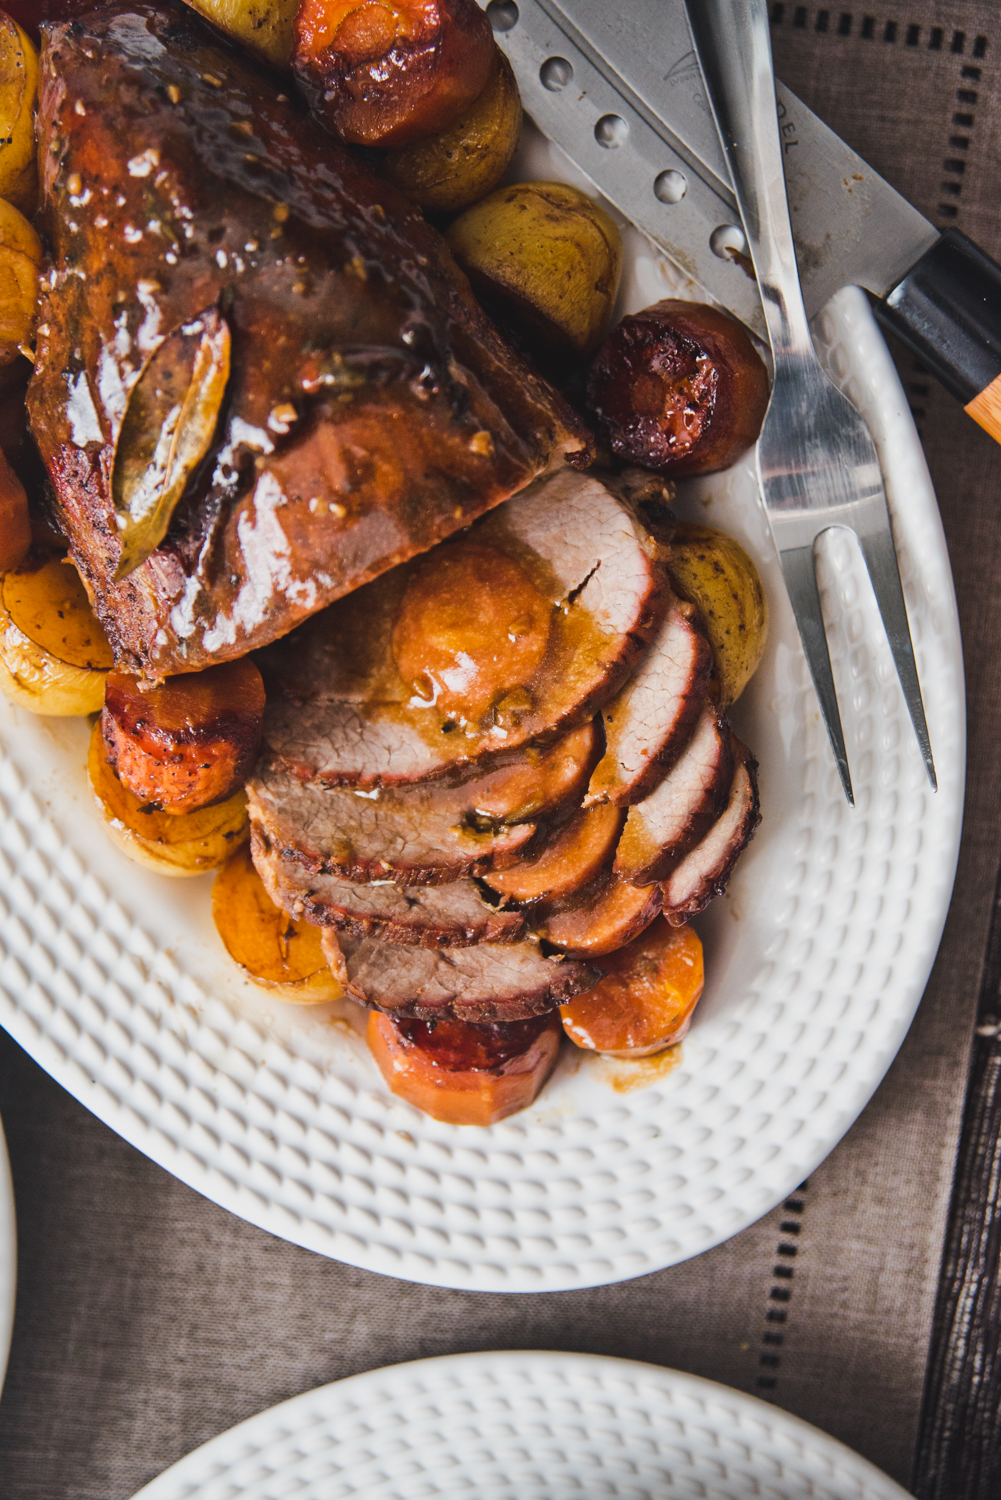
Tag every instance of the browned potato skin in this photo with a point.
(265, 26)
(713, 572)
(385, 74)
(20, 262)
(460, 165)
(18, 93)
(545, 260)
(272, 949)
(188, 743)
(678, 388)
(54, 657)
(190, 844)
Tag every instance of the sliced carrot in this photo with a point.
(573, 856)
(461, 1073)
(646, 998)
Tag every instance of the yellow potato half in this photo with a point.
(20, 259)
(54, 656)
(266, 26)
(272, 949)
(169, 843)
(18, 95)
(712, 571)
(449, 171)
(544, 257)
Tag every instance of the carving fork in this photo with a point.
(817, 463)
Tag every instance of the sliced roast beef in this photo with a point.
(371, 409)
(588, 591)
(571, 857)
(605, 917)
(664, 826)
(704, 872)
(430, 916)
(491, 982)
(427, 833)
(651, 719)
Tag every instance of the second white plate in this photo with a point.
(115, 981)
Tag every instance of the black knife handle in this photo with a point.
(947, 310)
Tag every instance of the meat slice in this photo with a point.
(704, 872)
(424, 834)
(340, 712)
(371, 408)
(605, 917)
(648, 724)
(430, 916)
(569, 859)
(663, 827)
(491, 982)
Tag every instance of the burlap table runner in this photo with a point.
(149, 1320)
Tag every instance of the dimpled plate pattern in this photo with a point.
(523, 1426)
(114, 980)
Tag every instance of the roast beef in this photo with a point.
(431, 916)
(491, 982)
(652, 718)
(704, 873)
(371, 409)
(663, 827)
(427, 833)
(339, 711)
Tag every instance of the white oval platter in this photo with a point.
(523, 1426)
(8, 1257)
(114, 980)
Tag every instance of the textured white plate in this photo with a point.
(523, 1426)
(114, 979)
(8, 1257)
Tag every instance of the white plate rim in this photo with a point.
(193, 1067)
(258, 1439)
(8, 1256)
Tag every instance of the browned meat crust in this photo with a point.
(339, 711)
(662, 828)
(491, 982)
(429, 916)
(372, 409)
(704, 873)
(651, 720)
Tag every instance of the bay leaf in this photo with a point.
(167, 429)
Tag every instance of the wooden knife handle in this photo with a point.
(947, 309)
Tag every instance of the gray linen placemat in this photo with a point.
(149, 1320)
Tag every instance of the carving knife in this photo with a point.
(618, 87)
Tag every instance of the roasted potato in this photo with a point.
(18, 93)
(461, 1073)
(265, 26)
(54, 657)
(544, 259)
(386, 74)
(448, 171)
(191, 741)
(678, 388)
(712, 571)
(272, 949)
(645, 1000)
(189, 844)
(20, 259)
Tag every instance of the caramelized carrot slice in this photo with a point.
(190, 742)
(573, 857)
(461, 1073)
(646, 999)
(386, 72)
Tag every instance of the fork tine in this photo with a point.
(801, 581)
(876, 541)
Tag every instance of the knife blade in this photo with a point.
(619, 89)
